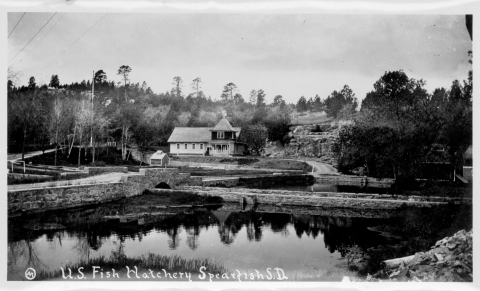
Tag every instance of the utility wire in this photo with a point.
(17, 24)
(73, 43)
(44, 36)
(33, 37)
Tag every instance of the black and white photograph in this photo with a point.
(239, 146)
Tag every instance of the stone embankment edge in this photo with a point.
(299, 199)
(355, 180)
(29, 201)
(329, 194)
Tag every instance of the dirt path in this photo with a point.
(322, 169)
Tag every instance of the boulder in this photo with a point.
(449, 260)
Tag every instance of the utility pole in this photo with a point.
(91, 102)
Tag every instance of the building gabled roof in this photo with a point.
(158, 155)
(191, 134)
(223, 125)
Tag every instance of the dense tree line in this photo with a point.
(130, 114)
(339, 104)
(401, 126)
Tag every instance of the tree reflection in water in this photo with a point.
(86, 241)
(192, 239)
(90, 232)
(22, 255)
(339, 233)
(87, 230)
(174, 239)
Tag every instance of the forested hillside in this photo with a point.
(399, 127)
(132, 114)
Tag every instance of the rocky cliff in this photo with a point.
(314, 141)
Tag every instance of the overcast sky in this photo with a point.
(288, 55)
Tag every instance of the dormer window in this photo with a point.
(220, 135)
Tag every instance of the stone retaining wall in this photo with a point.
(61, 197)
(225, 182)
(259, 181)
(317, 199)
(372, 196)
(355, 180)
(51, 198)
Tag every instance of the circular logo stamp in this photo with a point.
(30, 274)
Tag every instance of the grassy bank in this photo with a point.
(147, 262)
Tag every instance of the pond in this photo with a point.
(303, 245)
(306, 243)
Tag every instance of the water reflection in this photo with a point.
(90, 236)
(244, 239)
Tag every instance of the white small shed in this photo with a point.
(159, 158)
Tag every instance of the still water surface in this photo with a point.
(302, 245)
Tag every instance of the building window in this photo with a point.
(178, 146)
(185, 146)
(193, 146)
(220, 134)
(201, 146)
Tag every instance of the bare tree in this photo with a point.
(178, 82)
(124, 71)
(24, 108)
(58, 123)
(83, 124)
(13, 75)
(228, 92)
(253, 97)
(196, 85)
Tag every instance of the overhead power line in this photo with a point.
(17, 24)
(44, 36)
(33, 37)
(73, 43)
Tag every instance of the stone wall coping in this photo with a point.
(109, 167)
(316, 197)
(332, 194)
(63, 186)
(143, 170)
(389, 180)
